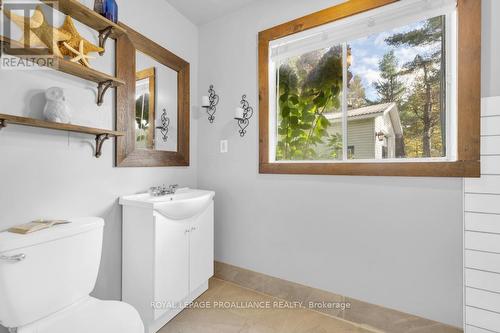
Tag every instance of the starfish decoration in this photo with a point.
(80, 54)
(41, 34)
(75, 41)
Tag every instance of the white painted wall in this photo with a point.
(47, 173)
(396, 242)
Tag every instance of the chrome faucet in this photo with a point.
(172, 189)
(158, 191)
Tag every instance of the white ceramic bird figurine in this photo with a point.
(56, 109)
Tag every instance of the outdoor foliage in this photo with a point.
(309, 86)
(142, 117)
(356, 96)
(422, 107)
(390, 88)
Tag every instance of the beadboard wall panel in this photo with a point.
(482, 299)
(482, 280)
(490, 125)
(482, 222)
(490, 145)
(472, 329)
(486, 184)
(482, 203)
(490, 165)
(488, 262)
(482, 229)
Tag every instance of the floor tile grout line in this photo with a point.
(227, 282)
(366, 327)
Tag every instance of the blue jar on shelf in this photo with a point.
(111, 10)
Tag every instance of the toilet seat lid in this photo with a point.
(90, 315)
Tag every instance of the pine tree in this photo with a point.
(356, 97)
(430, 69)
(390, 88)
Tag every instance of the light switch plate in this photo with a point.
(223, 146)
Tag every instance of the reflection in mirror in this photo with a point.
(145, 108)
(156, 105)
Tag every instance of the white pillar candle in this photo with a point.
(239, 112)
(205, 101)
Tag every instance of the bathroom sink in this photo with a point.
(182, 205)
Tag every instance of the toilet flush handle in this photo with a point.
(14, 258)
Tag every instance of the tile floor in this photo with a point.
(219, 319)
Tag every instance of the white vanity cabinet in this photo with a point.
(184, 258)
(167, 261)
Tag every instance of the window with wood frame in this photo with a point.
(373, 87)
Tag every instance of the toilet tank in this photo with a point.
(59, 268)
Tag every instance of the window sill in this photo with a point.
(468, 169)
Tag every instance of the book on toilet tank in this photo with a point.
(36, 226)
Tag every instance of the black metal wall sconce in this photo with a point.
(210, 103)
(243, 115)
(165, 123)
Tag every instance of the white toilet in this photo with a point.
(46, 278)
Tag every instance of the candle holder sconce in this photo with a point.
(245, 113)
(165, 123)
(211, 106)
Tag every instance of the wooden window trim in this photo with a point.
(469, 99)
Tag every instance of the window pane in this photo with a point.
(396, 93)
(309, 93)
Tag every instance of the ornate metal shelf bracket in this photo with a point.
(103, 37)
(247, 114)
(101, 91)
(212, 108)
(99, 140)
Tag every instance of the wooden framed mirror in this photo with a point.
(153, 106)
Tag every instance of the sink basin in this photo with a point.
(182, 205)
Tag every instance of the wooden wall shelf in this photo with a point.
(106, 29)
(101, 135)
(104, 81)
(90, 18)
